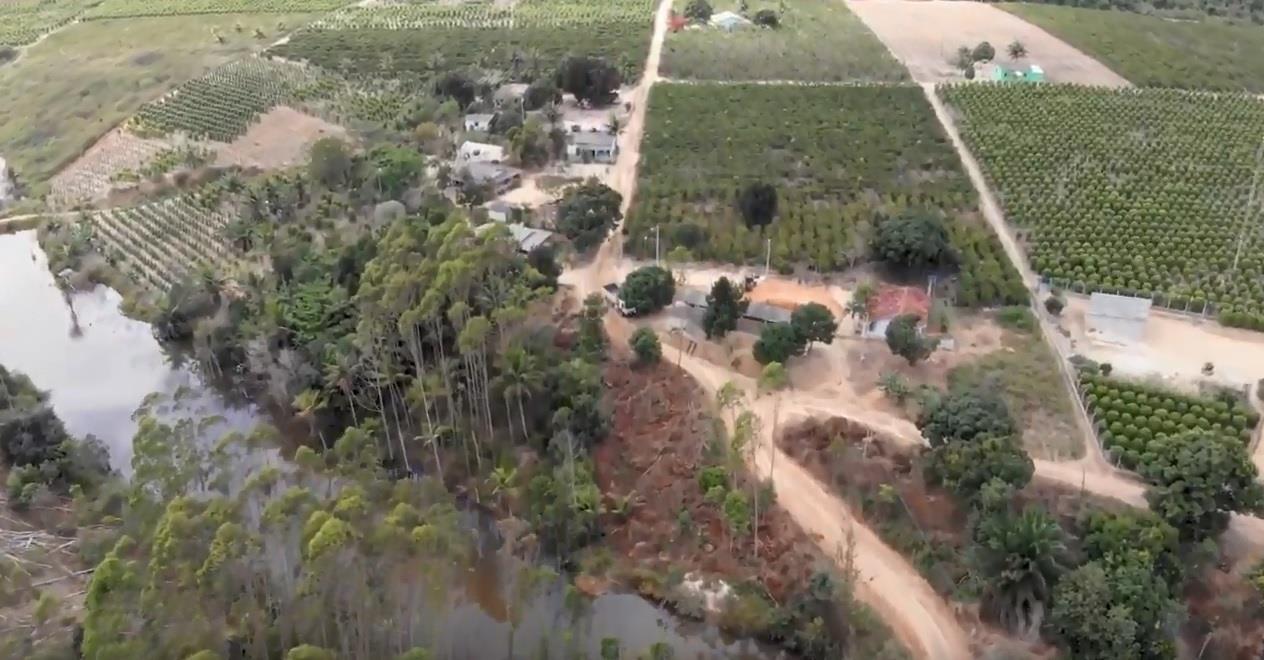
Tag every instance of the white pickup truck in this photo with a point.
(611, 292)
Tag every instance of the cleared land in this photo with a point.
(90, 176)
(925, 37)
(1143, 192)
(524, 41)
(280, 138)
(83, 80)
(818, 40)
(1159, 52)
(837, 155)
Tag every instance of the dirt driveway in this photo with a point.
(925, 35)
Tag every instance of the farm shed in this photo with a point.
(592, 147)
(765, 313)
(527, 238)
(499, 211)
(892, 301)
(1117, 319)
(479, 122)
(480, 152)
(729, 21)
(499, 177)
(692, 297)
(1033, 73)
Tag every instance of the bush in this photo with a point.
(645, 345)
(984, 52)
(767, 18)
(648, 289)
(758, 204)
(1054, 305)
(778, 342)
(1016, 318)
(698, 10)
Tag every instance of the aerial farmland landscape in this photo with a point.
(429, 329)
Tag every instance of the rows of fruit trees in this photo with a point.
(157, 244)
(139, 8)
(1130, 417)
(222, 104)
(1139, 192)
(24, 21)
(841, 159)
(524, 40)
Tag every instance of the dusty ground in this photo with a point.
(925, 35)
(88, 177)
(279, 139)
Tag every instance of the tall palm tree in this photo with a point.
(520, 376)
(1020, 557)
(306, 405)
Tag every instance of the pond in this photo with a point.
(99, 366)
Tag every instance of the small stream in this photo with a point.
(99, 366)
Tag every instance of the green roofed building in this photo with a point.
(1033, 73)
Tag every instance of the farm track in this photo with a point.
(922, 620)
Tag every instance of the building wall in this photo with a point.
(1115, 330)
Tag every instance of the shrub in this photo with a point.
(1016, 318)
(1054, 305)
(645, 345)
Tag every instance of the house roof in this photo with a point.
(893, 301)
(728, 18)
(479, 117)
(485, 172)
(594, 140)
(1119, 307)
(529, 238)
(692, 297)
(470, 147)
(758, 311)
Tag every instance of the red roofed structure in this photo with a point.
(892, 301)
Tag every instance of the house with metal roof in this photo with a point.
(729, 21)
(479, 122)
(479, 152)
(592, 147)
(1117, 319)
(500, 177)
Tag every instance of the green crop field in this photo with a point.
(818, 40)
(158, 244)
(1130, 417)
(524, 40)
(1157, 52)
(838, 155)
(136, 8)
(24, 21)
(1144, 192)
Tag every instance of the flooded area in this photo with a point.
(97, 365)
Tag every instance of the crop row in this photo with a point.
(1130, 416)
(24, 21)
(1142, 192)
(222, 104)
(159, 243)
(839, 156)
(138, 8)
(530, 13)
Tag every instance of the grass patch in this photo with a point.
(819, 40)
(24, 21)
(135, 8)
(1157, 52)
(83, 80)
(1025, 372)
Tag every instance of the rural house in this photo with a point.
(892, 301)
(1117, 319)
(527, 238)
(499, 177)
(729, 21)
(479, 152)
(479, 122)
(592, 147)
(499, 211)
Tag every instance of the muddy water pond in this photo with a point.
(99, 366)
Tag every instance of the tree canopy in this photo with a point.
(965, 413)
(725, 305)
(1199, 479)
(698, 10)
(592, 80)
(914, 240)
(814, 322)
(587, 212)
(778, 342)
(905, 340)
(645, 344)
(648, 289)
(758, 203)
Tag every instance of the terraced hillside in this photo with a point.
(1144, 192)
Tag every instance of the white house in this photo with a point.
(479, 122)
(729, 21)
(479, 152)
(499, 211)
(592, 147)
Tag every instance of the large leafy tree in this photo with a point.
(592, 80)
(914, 240)
(814, 322)
(778, 342)
(725, 305)
(396, 168)
(1125, 612)
(330, 162)
(965, 413)
(1020, 557)
(758, 203)
(966, 466)
(587, 213)
(1199, 478)
(644, 343)
(648, 289)
(906, 341)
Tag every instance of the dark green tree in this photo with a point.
(648, 289)
(725, 305)
(984, 52)
(965, 413)
(541, 93)
(904, 339)
(814, 322)
(914, 240)
(778, 342)
(592, 80)
(965, 467)
(698, 10)
(1125, 612)
(330, 162)
(458, 87)
(645, 345)
(1020, 557)
(396, 169)
(758, 203)
(1199, 478)
(587, 213)
(766, 18)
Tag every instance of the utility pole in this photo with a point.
(657, 236)
(767, 256)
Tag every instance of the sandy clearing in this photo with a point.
(88, 177)
(280, 138)
(925, 35)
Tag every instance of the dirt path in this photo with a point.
(925, 34)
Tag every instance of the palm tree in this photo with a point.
(1017, 50)
(519, 377)
(501, 480)
(306, 405)
(340, 374)
(1020, 557)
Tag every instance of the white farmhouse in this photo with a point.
(479, 122)
(479, 152)
(592, 148)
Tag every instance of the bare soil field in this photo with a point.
(925, 35)
(279, 139)
(88, 177)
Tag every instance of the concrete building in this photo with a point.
(479, 152)
(1117, 319)
(479, 122)
(592, 147)
(892, 301)
(499, 177)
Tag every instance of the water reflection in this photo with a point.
(97, 364)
